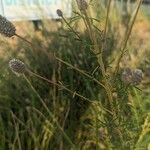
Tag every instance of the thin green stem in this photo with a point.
(17, 133)
(145, 130)
(106, 22)
(70, 27)
(49, 112)
(97, 127)
(127, 36)
(80, 71)
(74, 93)
(24, 39)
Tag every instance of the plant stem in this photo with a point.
(99, 58)
(50, 113)
(80, 71)
(70, 27)
(61, 86)
(64, 62)
(106, 23)
(24, 39)
(127, 36)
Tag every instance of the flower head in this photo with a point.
(59, 13)
(6, 27)
(137, 76)
(82, 4)
(126, 76)
(133, 77)
(17, 66)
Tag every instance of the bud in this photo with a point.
(6, 27)
(137, 76)
(17, 66)
(59, 13)
(82, 4)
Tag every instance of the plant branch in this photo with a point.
(61, 86)
(128, 35)
(50, 113)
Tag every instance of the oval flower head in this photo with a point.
(137, 76)
(59, 13)
(133, 77)
(126, 76)
(17, 66)
(6, 27)
(82, 4)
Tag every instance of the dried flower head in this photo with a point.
(126, 76)
(6, 27)
(133, 77)
(17, 66)
(82, 4)
(59, 13)
(137, 76)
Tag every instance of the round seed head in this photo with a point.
(83, 5)
(17, 66)
(59, 13)
(6, 27)
(137, 76)
(126, 76)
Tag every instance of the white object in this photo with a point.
(16, 10)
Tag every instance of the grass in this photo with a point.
(73, 97)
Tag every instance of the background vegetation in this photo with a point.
(25, 124)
